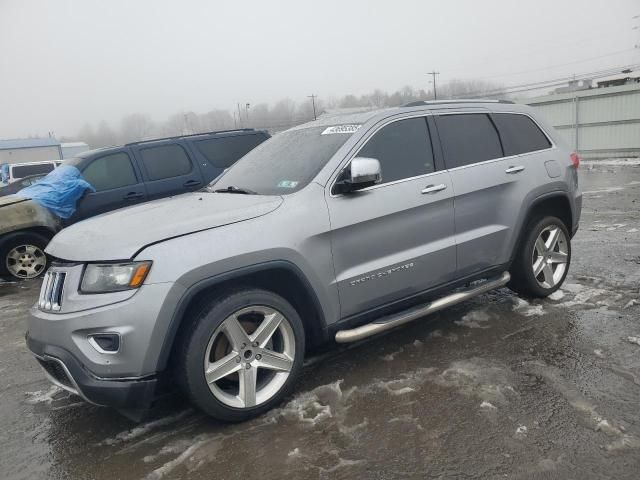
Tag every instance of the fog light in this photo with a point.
(105, 342)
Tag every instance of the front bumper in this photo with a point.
(66, 371)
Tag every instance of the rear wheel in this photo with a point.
(22, 255)
(542, 262)
(243, 354)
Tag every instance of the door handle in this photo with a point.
(133, 196)
(517, 169)
(434, 188)
(191, 183)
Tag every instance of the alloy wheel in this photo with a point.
(26, 261)
(249, 357)
(550, 256)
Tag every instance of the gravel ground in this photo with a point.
(496, 387)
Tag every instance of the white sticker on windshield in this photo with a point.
(288, 184)
(341, 129)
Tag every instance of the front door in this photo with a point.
(117, 183)
(396, 239)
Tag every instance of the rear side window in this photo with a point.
(165, 161)
(225, 151)
(36, 169)
(468, 138)
(110, 171)
(403, 149)
(520, 134)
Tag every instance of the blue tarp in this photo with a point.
(58, 191)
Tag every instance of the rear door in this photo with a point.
(396, 239)
(117, 181)
(167, 169)
(490, 186)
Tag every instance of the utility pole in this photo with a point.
(435, 92)
(313, 102)
(247, 110)
(239, 115)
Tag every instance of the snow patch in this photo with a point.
(557, 295)
(417, 343)
(522, 431)
(488, 405)
(146, 428)
(598, 353)
(294, 453)
(43, 397)
(391, 356)
(632, 230)
(525, 308)
(631, 303)
(474, 319)
(635, 340)
(604, 190)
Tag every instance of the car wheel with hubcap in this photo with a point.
(22, 255)
(542, 263)
(242, 355)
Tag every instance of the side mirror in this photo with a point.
(361, 173)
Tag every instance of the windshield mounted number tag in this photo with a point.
(341, 129)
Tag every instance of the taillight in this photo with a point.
(575, 160)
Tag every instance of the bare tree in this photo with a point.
(135, 127)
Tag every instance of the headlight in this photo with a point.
(113, 277)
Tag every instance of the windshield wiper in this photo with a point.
(232, 189)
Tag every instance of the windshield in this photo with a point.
(283, 164)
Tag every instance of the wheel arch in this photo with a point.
(280, 277)
(556, 204)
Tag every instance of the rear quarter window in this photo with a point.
(520, 134)
(223, 152)
(37, 169)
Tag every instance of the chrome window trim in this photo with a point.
(369, 135)
(334, 178)
(489, 112)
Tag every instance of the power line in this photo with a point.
(558, 65)
(548, 83)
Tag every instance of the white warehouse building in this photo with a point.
(598, 122)
(28, 150)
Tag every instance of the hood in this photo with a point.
(10, 200)
(120, 234)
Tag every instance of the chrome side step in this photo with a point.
(387, 323)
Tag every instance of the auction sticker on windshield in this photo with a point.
(341, 129)
(287, 184)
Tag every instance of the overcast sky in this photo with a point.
(67, 62)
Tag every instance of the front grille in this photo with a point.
(56, 371)
(51, 292)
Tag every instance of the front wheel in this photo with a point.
(22, 255)
(542, 262)
(243, 354)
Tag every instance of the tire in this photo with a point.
(22, 255)
(551, 264)
(214, 343)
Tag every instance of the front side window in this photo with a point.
(468, 138)
(403, 149)
(286, 162)
(165, 161)
(520, 134)
(110, 171)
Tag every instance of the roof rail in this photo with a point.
(190, 135)
(420, 103)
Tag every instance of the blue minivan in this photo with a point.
(121, 176)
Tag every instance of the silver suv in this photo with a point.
(334, 230)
